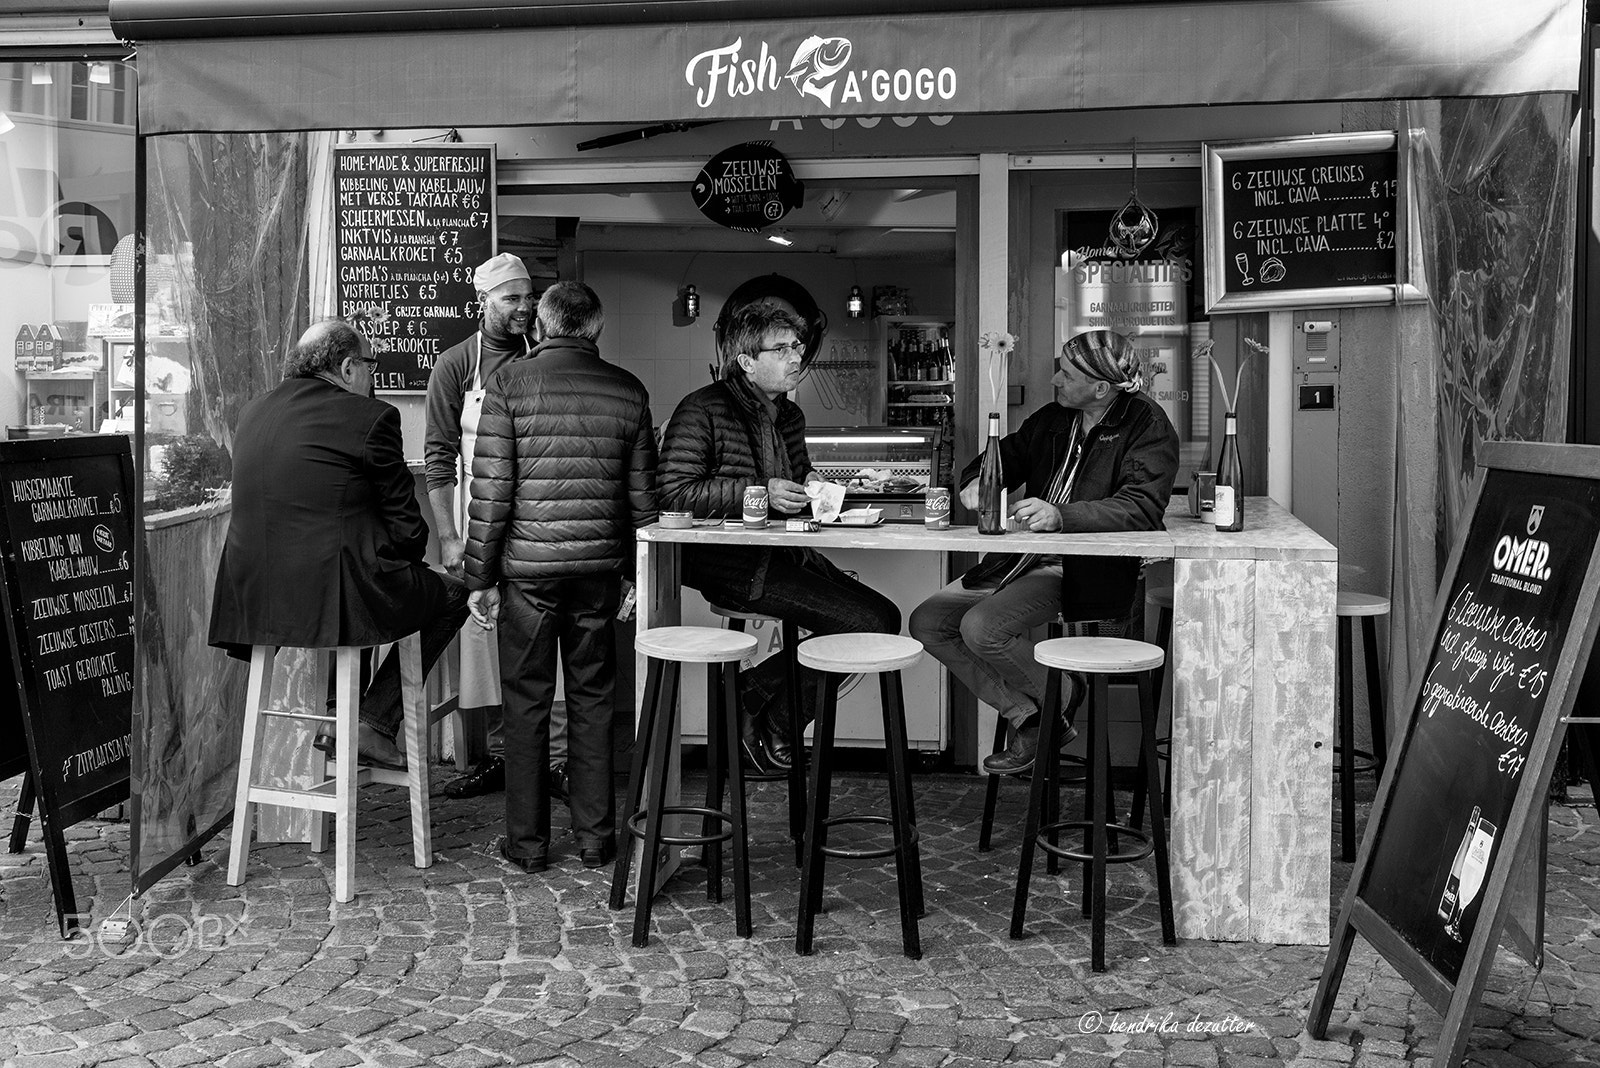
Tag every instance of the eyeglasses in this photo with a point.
(367, 360)
(793, 348)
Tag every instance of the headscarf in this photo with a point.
(1107, 356)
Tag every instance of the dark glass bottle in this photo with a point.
(991, 483)
(1230, 479)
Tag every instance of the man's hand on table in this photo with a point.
(1036, 515)
(969, 495)
(786, 496)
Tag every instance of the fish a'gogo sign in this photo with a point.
(747, 187)
(820, 68)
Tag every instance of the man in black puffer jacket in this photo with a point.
(740, 431)
(563, 473)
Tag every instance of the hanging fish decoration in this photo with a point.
(747, 187)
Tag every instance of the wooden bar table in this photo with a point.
(1253, 695)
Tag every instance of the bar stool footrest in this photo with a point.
(1122, 857)
(1364, 761)
(635, 828)
(844, 853)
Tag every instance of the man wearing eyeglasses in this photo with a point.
(325, 540)
(739, 431)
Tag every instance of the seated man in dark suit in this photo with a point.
(326, 538)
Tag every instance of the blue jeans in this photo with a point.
(817, 597)
(984, 637)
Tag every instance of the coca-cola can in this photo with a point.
(936, 515)
(755, 506)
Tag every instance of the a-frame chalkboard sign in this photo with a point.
(66, 559)
(1461, 805)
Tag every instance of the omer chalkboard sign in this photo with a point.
(66, 534)
(410, 224)
(1307, 222)
(1460, 809)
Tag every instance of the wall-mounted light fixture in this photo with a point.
(691, 302)
(41, 75)
(100, 73)
(856, 304)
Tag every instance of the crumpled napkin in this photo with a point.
(827, 500)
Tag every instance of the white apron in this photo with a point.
(480, 654)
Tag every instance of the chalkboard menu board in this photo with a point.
(1312, 221)
(1462, 799)
(411, 222)
(67, 534)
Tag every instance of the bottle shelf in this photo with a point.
(943, 402)
(913, 382)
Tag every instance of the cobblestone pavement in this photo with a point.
(472, 963)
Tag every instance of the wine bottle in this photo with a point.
(1230, 479)
(991, 483)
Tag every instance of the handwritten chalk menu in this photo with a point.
(1312, 221)
(1460, 810)
(411, 222)
(67, 533)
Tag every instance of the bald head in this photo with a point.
(322, 348)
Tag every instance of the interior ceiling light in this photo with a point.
(100, 73)
(41, 75)
(780, 238)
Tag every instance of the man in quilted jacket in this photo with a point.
(563, 472)
(742, 430)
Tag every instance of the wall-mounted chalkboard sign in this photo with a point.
(66, 532)
(1460, 807)
(747, 187)
(1308, 222)
(410, 224)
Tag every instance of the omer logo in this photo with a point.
(1528, 557)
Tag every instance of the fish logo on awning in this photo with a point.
(814, 65)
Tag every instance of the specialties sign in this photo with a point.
(411, 222)
(747, 187)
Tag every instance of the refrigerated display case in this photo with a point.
(880, 466)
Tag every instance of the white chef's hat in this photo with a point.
(492, 273)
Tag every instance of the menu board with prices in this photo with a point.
(411, 223)
(1459, 814)
(67, 532)
(1312, 221)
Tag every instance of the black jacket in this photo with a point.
(564, 469)
(708, 456)
(1124, 483)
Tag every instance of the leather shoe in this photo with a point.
(1020, 752)
(529, 865)
(373, 749)
(775, 739)
(557, 783)
(487, 778)
(597, 856)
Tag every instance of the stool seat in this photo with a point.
(736, 613)
(849, 654)
(695, 645)
(1099, 656)
(1160, 596)
(1361, 604)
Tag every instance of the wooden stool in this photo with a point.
(666, 648)
(850, 654)
(1159, 598)
(337, 793)
(1368, 608)
(1098, 658)
(796, 775)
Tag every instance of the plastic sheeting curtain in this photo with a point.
(1490, 359)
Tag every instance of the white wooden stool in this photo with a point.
(665, 648)
(1096, 658)
(848, 654)
(1366, 607)
(337, 793)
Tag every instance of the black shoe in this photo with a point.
(775, 739)
(556, 783)
(529, 865)
(487, 778)
(597, 856)
(1019, 754)
(373, 749)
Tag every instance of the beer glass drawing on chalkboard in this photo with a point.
(1452, 885)
(1243, 263)
(1473, 868)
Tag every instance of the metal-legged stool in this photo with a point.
(1159, 598)
(796, 775)
(337, 793)
(1367, 607)
(849, 654)
(666, 648)
(1098, 658)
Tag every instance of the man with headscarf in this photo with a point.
(1100, 457)
(744, 430)
(456, 390)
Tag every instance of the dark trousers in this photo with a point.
(380, 701)
(816, 596)
(540, 619)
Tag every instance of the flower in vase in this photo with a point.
(1000, 343)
